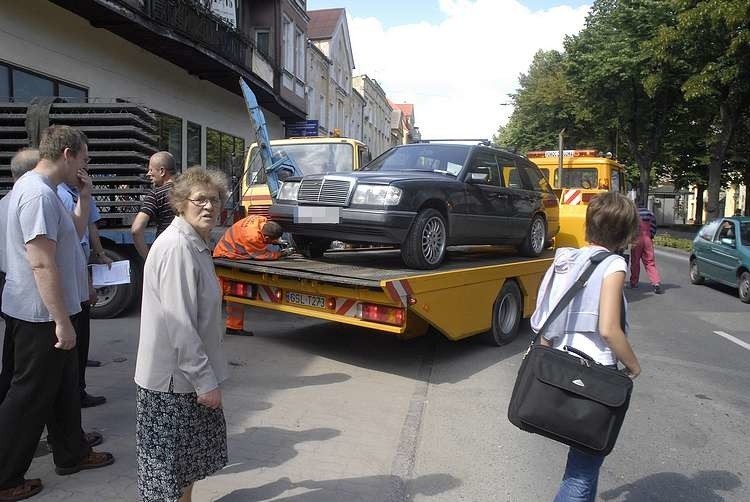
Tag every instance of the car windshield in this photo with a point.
(447, 159)
(310, 158)
(745, 233)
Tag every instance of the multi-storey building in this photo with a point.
(180, 58)
(410, 130)
(377, 114)
(330, 98)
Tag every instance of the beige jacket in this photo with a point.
(181, 325)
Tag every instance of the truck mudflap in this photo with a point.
(457, 301)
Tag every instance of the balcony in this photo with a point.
(191, 37)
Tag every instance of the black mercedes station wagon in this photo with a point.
(423, 197)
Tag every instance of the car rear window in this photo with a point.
(745, 233)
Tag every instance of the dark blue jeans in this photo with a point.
(581, 477)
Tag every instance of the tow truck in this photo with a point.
(479, 289)
(576, 178)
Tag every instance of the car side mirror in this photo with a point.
(478, 178)
(728, 242)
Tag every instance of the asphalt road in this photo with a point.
(323, 412)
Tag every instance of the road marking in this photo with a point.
(733, 339)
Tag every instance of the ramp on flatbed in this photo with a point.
(368, 267)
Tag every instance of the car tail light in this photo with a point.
(587, 197)
(278, 295)
(240, 289)
(330, 303)
(382, 313)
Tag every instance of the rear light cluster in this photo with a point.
(241, 289)
(381, 313)
(587, 197)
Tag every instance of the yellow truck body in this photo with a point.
(585, 175)
(480, 289)
(311, 154)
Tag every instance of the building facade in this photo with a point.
(377, 114)
(331, 100)
(179, 58)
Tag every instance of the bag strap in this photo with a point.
(577, 286)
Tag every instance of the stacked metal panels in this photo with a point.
(122, 137)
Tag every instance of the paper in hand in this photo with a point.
(102, 275)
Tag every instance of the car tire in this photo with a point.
(426, 242)
(114, 300)
(536, 238)
(743, 287)
(695, 275)
(507, 312)
(311, 248)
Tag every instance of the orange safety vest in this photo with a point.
(244, 241)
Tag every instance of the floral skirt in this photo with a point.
(178, 442)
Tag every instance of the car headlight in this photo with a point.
(377, 195)
(288, 190)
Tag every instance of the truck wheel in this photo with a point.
(506, 314)
(744, 287)
(311, 248)
(536, 239)
(695, 275)
(114, 300)
(424, 247)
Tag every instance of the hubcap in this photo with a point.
(693, 271)
(506, 313)
(104, 296)
(745, 286)
(537, 235)
(433, 240)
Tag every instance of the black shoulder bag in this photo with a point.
(566, 397)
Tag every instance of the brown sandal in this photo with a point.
(28, 488)
(94, 460)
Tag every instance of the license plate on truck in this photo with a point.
(306, 300)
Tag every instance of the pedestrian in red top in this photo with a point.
(643, 250)
(251, 238)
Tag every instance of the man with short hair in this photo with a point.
(45, 284)
(251, 238)
(155, 207)
(22, 162)
(643, 250)
(85, 223)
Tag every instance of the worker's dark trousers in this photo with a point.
(44, 389)
(83, 332)
(6, 373)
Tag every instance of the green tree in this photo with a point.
(710, 41)
(542, 106)
(618, 83)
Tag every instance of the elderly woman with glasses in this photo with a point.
(180, 431)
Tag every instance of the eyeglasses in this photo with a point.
(203, 201)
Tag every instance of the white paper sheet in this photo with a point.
(102, 275)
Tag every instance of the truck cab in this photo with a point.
(313, 155)
(584, 175)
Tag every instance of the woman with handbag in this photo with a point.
(597, 330)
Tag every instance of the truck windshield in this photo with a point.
(574, 177)
(310, 158)
(434, 158)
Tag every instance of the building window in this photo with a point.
(322, 105)
(299, 49)
(287, 40)
(263, 42)
(225, 152)
(194, 144)
(170, 136)
(23, 85)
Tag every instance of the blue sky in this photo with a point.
(455, 60)
(396, 12)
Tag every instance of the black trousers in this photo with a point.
(83, 332)
(6, 373)
(44, 390)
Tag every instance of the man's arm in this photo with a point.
(138, 229)
(96, 246)
(83, 206)
(40, 252)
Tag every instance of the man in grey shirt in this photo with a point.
(22, 162)
(45, 284)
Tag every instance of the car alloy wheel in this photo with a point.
(744, 287)
(433, 240)
(538, 236)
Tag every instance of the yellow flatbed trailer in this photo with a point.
(478, 290)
